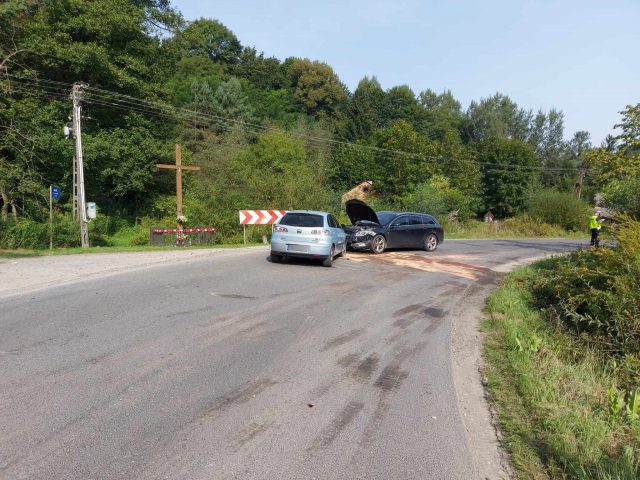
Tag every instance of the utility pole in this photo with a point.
(78, 187)
(74, 193)
(580, 181)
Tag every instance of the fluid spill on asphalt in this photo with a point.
(436, 312)
(406, 310)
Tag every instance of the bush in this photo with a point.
(624, 195)
(596, 294)
(438, 198)
(23, 233)
(66, 232)
(559, 208)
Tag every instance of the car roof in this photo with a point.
(310, 212)
(407, 213)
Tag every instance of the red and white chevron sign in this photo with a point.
(260, 217)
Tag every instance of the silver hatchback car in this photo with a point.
(308, 234)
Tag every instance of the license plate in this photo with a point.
(298, 248)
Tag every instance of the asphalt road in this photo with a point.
(233, 367)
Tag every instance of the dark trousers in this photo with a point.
(594, 237)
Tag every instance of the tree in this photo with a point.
(317, 88)
(630, 125)
(230, 102)
(365, 110)
(212, 39)
(402, 160)
(400, 103)
(508, 175)
(264, 73)
(443, 114)
(109, 44)
(457, 162)
(438, 197)
(580, 143)
(497, 117)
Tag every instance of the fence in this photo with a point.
(183, 238)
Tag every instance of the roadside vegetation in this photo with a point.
(563, 363)
(266, 132)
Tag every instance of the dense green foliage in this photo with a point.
(267, 133)
(559, 208)
(596, 294)
(563, 411)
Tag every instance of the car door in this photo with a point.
(419, 230)
(337, 233)
(400, 232)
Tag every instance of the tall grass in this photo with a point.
(516, 227)
(552, 395)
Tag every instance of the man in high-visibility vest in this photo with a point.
(595, 224)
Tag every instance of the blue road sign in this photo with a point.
(55, 192)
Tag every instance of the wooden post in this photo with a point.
(179, 179)
(178, 167)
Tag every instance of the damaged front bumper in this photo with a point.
(359, 239)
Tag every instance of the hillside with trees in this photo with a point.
(267, 133)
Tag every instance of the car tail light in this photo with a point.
(278, 228)
(320, 232)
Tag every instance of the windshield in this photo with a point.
(385, 218)
(302, 220)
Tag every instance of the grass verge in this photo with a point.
(557, 405)
(519, 227)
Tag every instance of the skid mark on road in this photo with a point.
(255, 429)
(244, 393)
(366, 368)
(406, 310)
(236, 296)
(337, 425)
(391, 377)
(342, 339)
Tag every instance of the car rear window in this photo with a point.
(302, 220)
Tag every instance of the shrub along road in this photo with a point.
(228, 366)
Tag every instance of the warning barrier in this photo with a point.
(260, 217)
(184, 237)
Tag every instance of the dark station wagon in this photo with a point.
(382, 230)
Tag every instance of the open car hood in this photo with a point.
(359, 211)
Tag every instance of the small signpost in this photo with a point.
(54, 194)
(178, 167)
(259, 217)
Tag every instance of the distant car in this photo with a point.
(308, 234)
(378, 231)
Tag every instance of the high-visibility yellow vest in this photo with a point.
(593, 222)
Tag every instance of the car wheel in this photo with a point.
(378, 244)
(430, 243)
(328, 262)
(275, 258)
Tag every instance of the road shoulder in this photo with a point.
(29, 274)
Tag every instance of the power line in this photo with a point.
(108, 98)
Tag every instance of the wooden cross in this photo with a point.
(178, 167)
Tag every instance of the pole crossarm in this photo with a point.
(175, 167)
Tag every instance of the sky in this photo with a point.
(580, 57)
